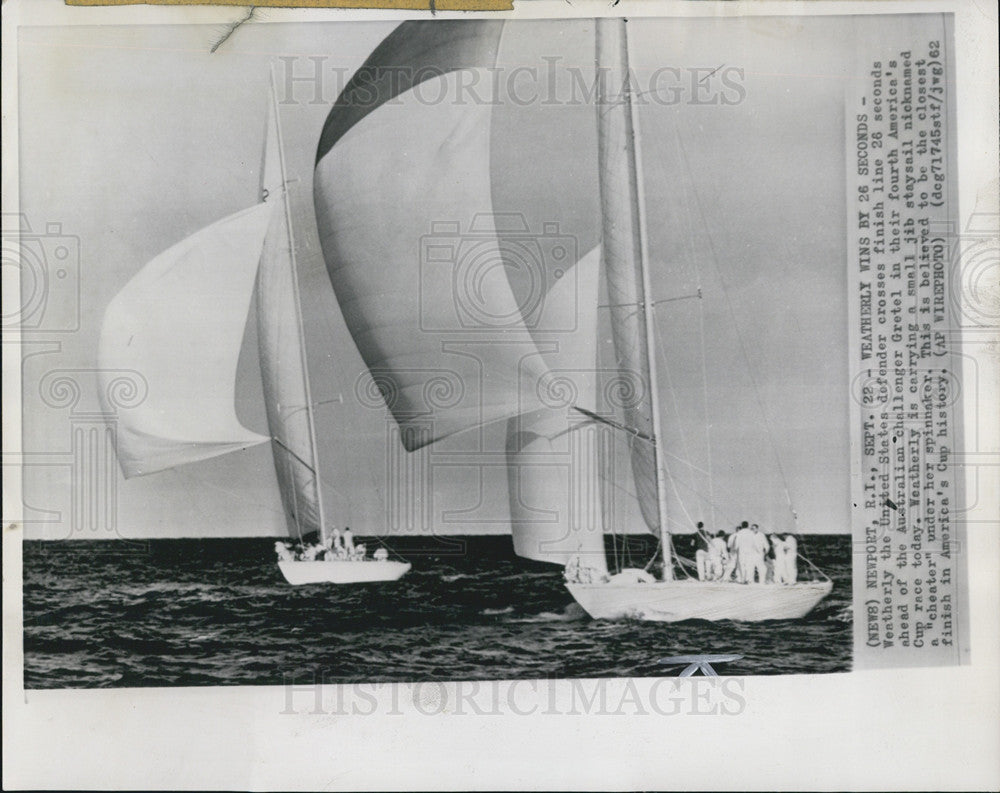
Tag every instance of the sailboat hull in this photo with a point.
(340, 571)
(674, 601)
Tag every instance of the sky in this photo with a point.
(133, 138)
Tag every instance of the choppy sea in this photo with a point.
(210, 612)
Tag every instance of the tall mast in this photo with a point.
(648, 308)
(298, 311)
(624, 218)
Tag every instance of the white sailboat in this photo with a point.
(179, 324)
(411, 335)
(288, 395)
(631, 593)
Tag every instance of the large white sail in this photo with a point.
(281, 347)
(554, 487)
(623, 261)
(179, 324)
(403, 203)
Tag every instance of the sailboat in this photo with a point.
(382, 191)
(179, 324)
(629, 594)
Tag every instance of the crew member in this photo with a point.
(785, 559)
(732, 563)
(718, 557)
(761, 547)
(284, 551)
(702, 543)
(749, 555)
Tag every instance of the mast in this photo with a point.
(648, 308)
(314, 462)
(624, 218)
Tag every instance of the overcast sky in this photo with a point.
(134, 137)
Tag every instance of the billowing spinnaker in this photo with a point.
(552, 461)
(403, 203)
(179, 324)
(281, 347)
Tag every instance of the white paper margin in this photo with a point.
(893, 729)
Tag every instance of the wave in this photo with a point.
(494, 612)
(451, 578)
(571, 613)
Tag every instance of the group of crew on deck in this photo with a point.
(336, 546)
(746, 555)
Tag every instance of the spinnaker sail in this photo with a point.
(554, 483)
(179, 323)
(403, 201)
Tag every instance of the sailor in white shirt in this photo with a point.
(718, 557)
(785, 559)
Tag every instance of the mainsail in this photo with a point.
(625, 269)
(281, 348)
(179, 323)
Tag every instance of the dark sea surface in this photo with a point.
(218, 612)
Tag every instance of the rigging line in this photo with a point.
(656, 555)
(339, 399)
(814, 567)
(634, 496)
(656, 341)
(631, 431)
(679, 297)
(742, 341)
(638, 306)
(295, 456)
(704, 382)
(680, 424)
(692, 255)
(622, 489)
(310, 469)
(685, 562)
(799, 552)
(384, 544)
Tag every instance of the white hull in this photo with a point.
(673, 601)
(342, 571)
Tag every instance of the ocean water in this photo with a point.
(218, 612)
